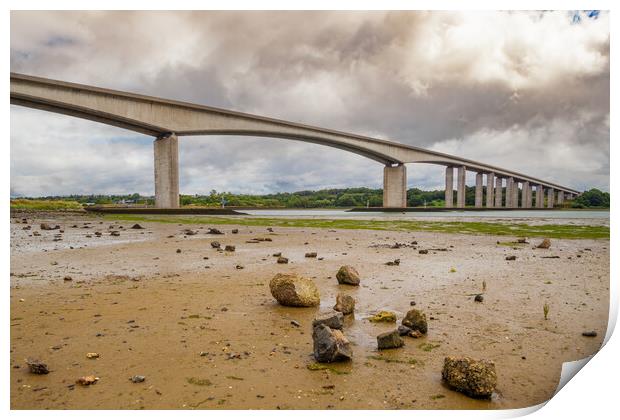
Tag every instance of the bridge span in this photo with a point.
(167, 120)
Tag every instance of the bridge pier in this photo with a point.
(449, 191)
(540, 198)
(550, 198)
(490, 195)
(560, 197)
(166, 152)
(515, 195)
(510, 184)
(460, 187)
(526, 198)
(498, 192)
(395, 186)
(478, 201)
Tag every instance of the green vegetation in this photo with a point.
(592, 199)
(428, 346)
(546, 310)
(323, 366)
(478, 228)
(387, 359)
(199, 381)
(26, 204)
(383, 316)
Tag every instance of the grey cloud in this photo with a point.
(488, 86)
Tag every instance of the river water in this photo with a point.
(591, 217)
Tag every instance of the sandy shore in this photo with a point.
(207, 334)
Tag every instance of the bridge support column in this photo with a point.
(478, 202)
(498, 192)
(550, 198)
(395, 186)
(166, 151)
(540, 198)
(510, 184)
(560, 197)
(460, 187)
(526, 199)
(449, 187)
(490, 191)
(515, 194)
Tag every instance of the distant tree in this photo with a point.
(592, 198)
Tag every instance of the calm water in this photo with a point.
(599, 215)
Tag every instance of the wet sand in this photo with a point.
(208, 335)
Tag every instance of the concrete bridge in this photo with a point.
(167, 120)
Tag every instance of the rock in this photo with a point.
(87, 380)
(475, 378)
(412, 303)
(344, 304)
(92, 355)
(332, 320)
(423, 251)
(295, 323)
(294, 290)
(45, 226)
(545, 244)
(136, 226)
(115, 233)
(37, 367)
(521, 240)
(478, 298)
(416, 320)
(229, 248)
(383, 316)
(68, 278)
(395, 262)
(216, 245)
(404, 330)
(277, 254)
(310, 255)
(282, 260)
(136, 379)
(178, 251)
(589, 334)
(389, 340)
(511, 258)
(270, 229)
(348, 275)
(189, 232)
(214, 231)
(330, 345)
(235, 231)
(239, 267)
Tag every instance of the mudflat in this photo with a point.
(203, 329)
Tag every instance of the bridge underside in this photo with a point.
(166, 120)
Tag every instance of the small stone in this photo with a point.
(178, 251)
(404, 330)
(87, 380)
(282, 260)
(215, 244)
(214, 231)
(239, 267)
(389, 340)
(295, 323)
(545, 244)
(348, 275)
(589, 334)
(310, 255)
(475, 378)
(137, 226)
(423, 251)
(416, 320)
(229, 248)
(235, 231)
(478, 298)
(37, 367)
(67, 278)
(344, 304)
(277, 254)
(115, 233)
(330, 345)
(92, 355)
(332, 320)
(511, 258)
(412, 303)
(136, 379)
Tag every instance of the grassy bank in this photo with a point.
(476, 228)
(48, 205)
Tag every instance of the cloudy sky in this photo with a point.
(528, 91)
